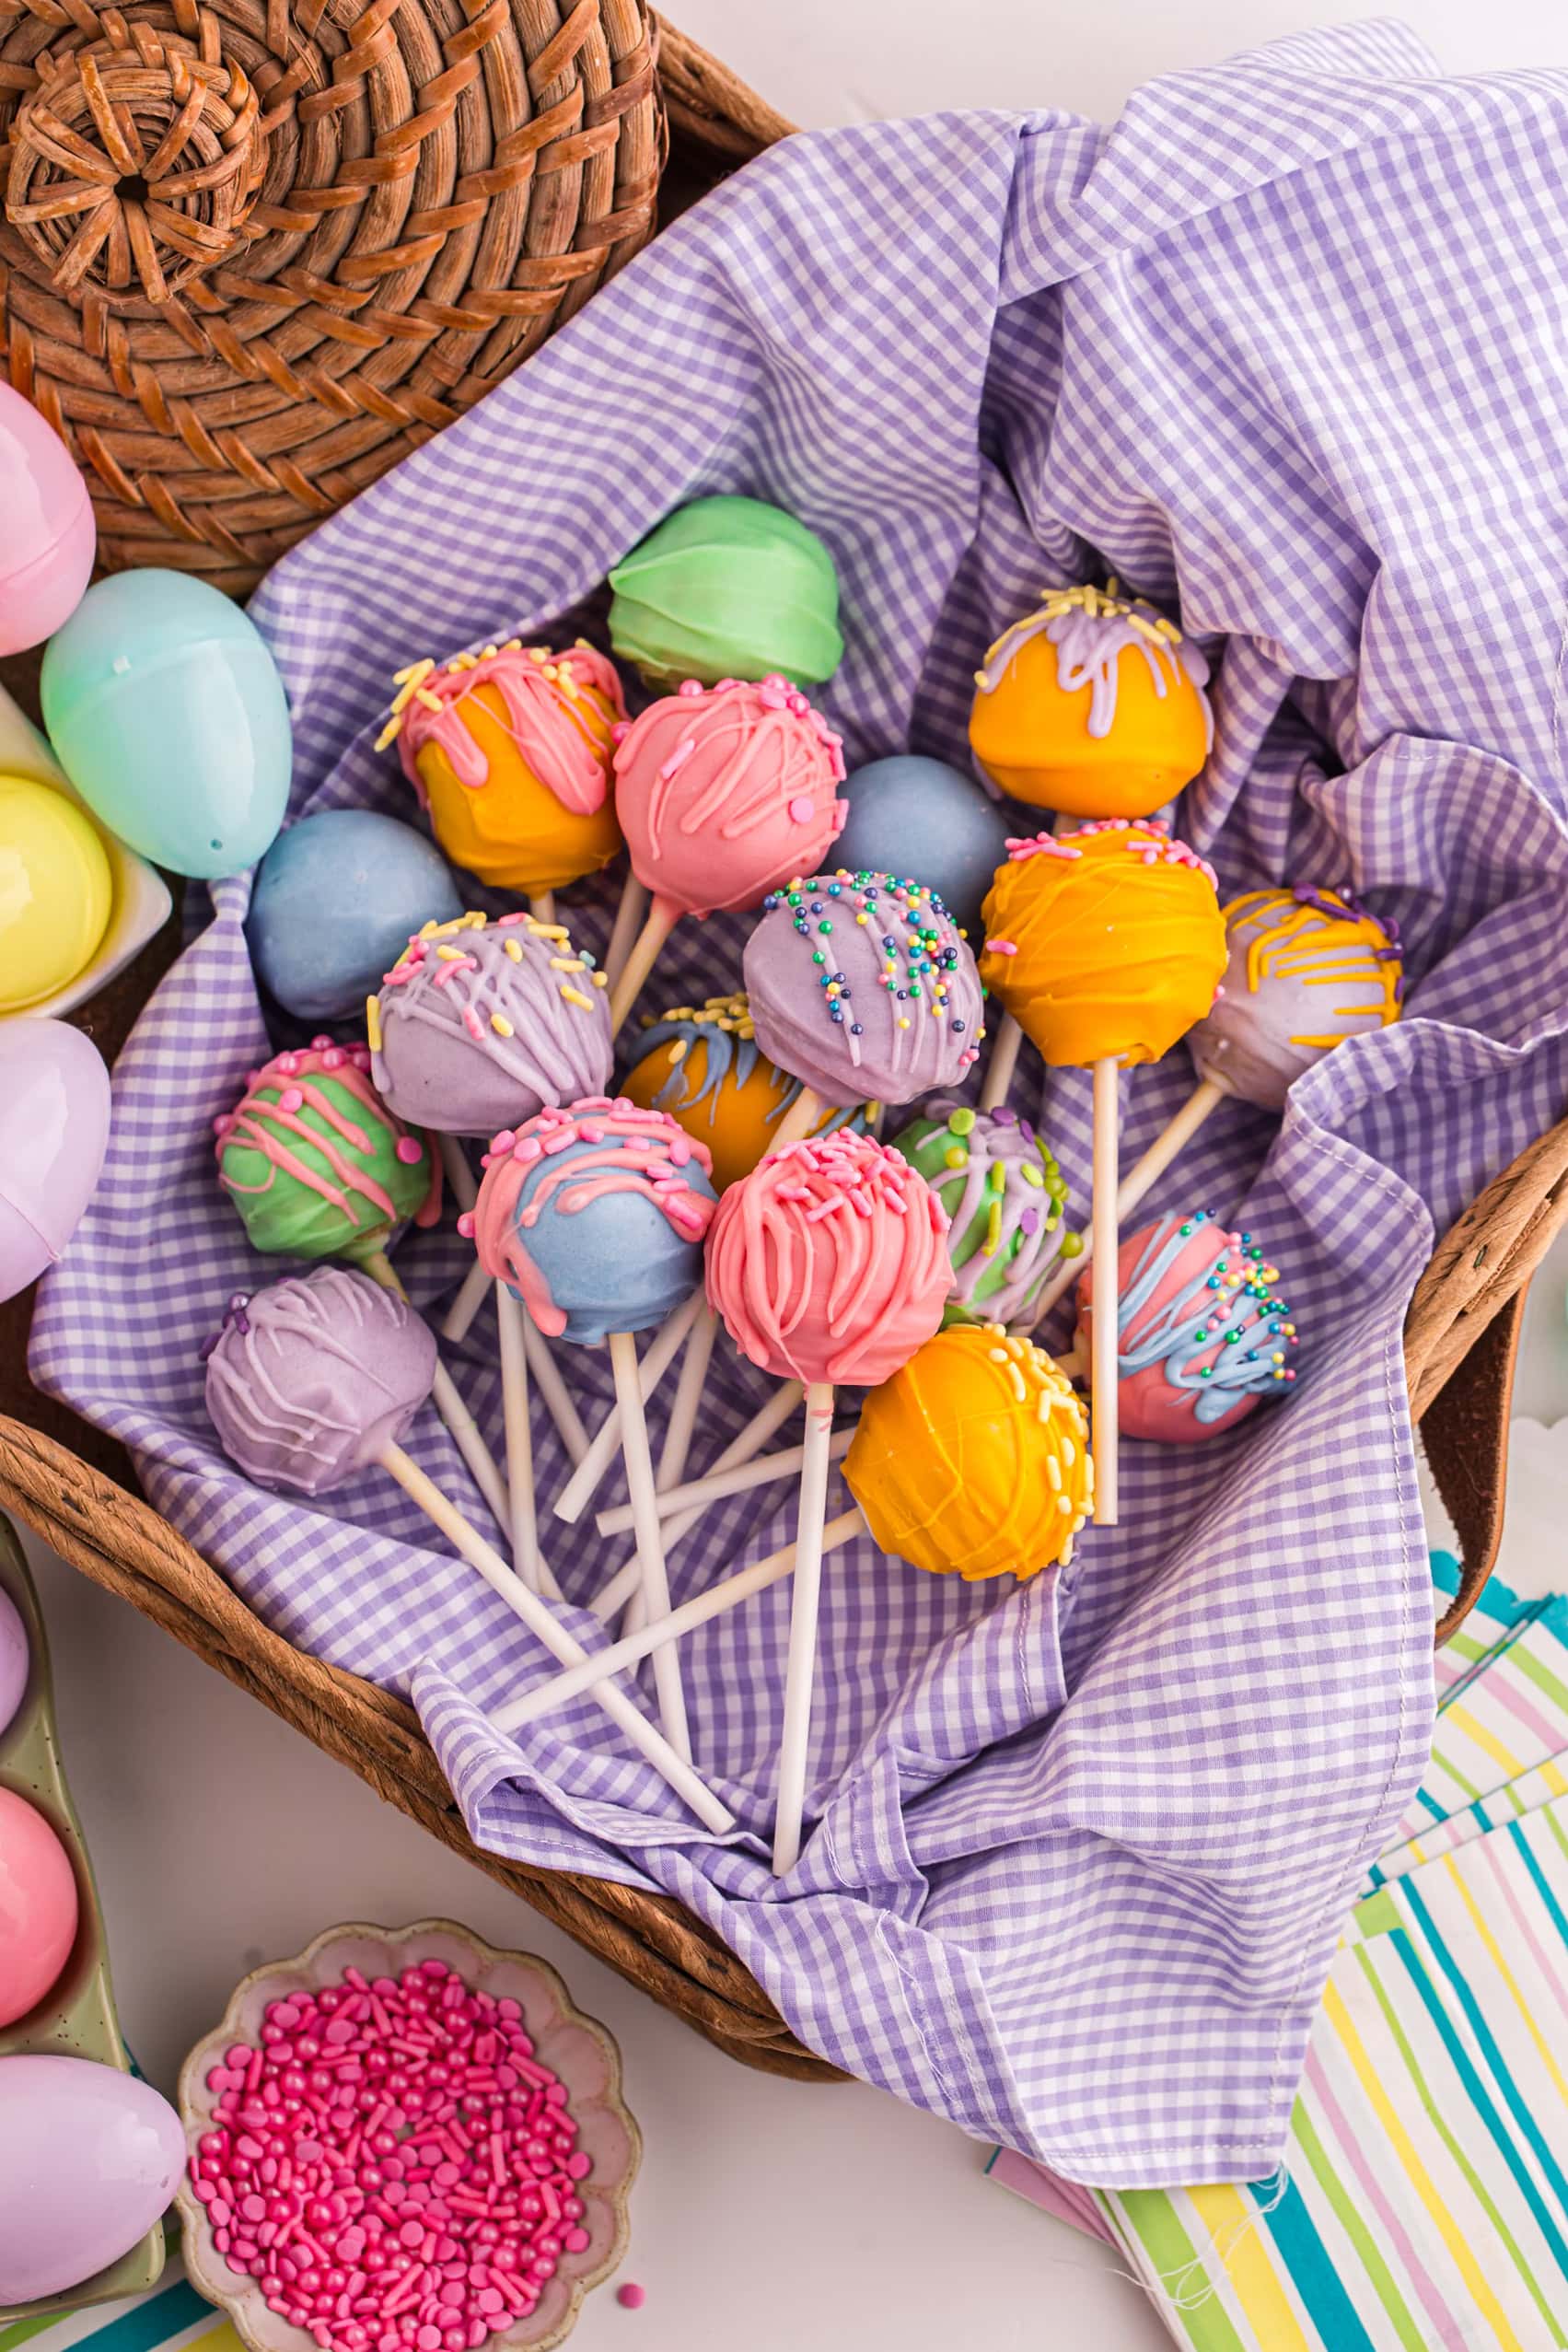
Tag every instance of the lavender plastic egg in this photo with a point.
(55, 1095)
(88, 2161)
(13, 1661)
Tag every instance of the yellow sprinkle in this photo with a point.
(415, 672)
(1053, 1471)
(996, 1355)
(432, 701)
(547, 930)
(1063, 1503)
(679, 1050)
(902, 1022)
(473, 921)
(501, 1025)
(566, 963)
(1020, 1393)
(513, 949)
(373, 1023)
(576, 996)
(601, 980)
(1069, 1450)
(390, 732)
(450, 955)
(993, 1231)
(489, 653)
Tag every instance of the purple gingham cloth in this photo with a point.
(1284, 345)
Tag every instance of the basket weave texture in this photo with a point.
(255, 253)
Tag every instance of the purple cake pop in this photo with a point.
(481, 1025)
(310, 1380)
(861, 988)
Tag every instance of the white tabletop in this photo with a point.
(768, 2213)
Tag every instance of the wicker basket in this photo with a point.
(256, 251)
(76, 1489)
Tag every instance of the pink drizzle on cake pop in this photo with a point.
(264, 1125)
(560, 732)
(1149, 840)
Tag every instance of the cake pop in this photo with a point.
(1202, 1338)
(320, 1377)
(829, 1263)
(333, 903)
(1104, 946)
(703, 1064)
(479, 1025)
(723, 793)
(861, 988)
(509, 751)
(727, 587)
(923, 821)
(1004, 1195)
(973, 1457)
(1091, 704)
(594, 1217)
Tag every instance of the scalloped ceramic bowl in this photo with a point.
(583, 2055)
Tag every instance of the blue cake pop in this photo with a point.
(925, 822)
(337, 900)
(594, 1217)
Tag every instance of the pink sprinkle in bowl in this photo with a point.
(575, 2048)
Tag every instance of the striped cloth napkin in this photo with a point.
(1499, 1613)
(167, 2320)
(1511, 1717)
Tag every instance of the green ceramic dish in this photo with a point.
(76, 2019)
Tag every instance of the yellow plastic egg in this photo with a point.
(55, 893)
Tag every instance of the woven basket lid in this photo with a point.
(254, 253)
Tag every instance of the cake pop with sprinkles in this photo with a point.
(1202, 1335)
(1093, 704)
(862, 987)
(973, 1459)
(594, 1216)
(316, 1164)
(1005, 1197)
(509, 751)
(480, 1024)
(1308, 968)
(703, 1064)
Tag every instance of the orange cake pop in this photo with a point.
(703, 1064)
(509, 751)
(1091, 704)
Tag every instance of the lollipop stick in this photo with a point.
(660, 922)
(1104, 1403)
(465, 1429)
(752, 1438)
(1140, 1179)
(520, 1443)
(541, 905)
(578, 1490)
(719, 1483)
(536, 1348)
(688, 1397)
(1003, 1062)
(535, 1614)
(800, 1119)
(650, 1544)
(801, 1673)
(466, 1305)
(628, 923)
(603, 1664)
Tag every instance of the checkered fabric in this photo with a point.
(1284, 346)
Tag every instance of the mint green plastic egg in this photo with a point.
(166, 712)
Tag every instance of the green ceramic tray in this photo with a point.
(76, 2019)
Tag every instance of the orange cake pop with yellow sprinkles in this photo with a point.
(703, 1064)
(1093, 704)
(1104, 944)
(974, 1458)
(509, 751)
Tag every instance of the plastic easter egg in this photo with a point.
(13, 1661)
(170, 717)
(37, 1908)
(337, 900)
(54, 1094)
(925, 822)
(56, 893)
(88, 2159)
(46, 550)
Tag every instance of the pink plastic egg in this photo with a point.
(47, 546)
(37, 1908)
(88, 2159)
(13, 1661)
(55, 1096)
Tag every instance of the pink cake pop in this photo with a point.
(723, 793)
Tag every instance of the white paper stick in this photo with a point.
(601, 1666)
(466, 1305)
(800, 1675)
(541, 905)
(578, 1490)
(519, 1440)
(1104, 1397)
(764, 1424)
(536, 1348)
(547, 1379)
(804, 1115)
(650, 1543)
(657, 924)
(766, 1470)
(536, 1615)
(1139, 1181)
(628, 923)
(450, 1405)
(1003, 1062)
(688, 1397)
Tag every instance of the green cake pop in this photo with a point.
(1004, 1196)
(727, 587)
(317, 1165)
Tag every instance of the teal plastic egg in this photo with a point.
(166, 712)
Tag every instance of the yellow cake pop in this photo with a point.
(1091, 704)
(973, 1459)
(701, 1063)
(510, 752)
(1105, 943)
